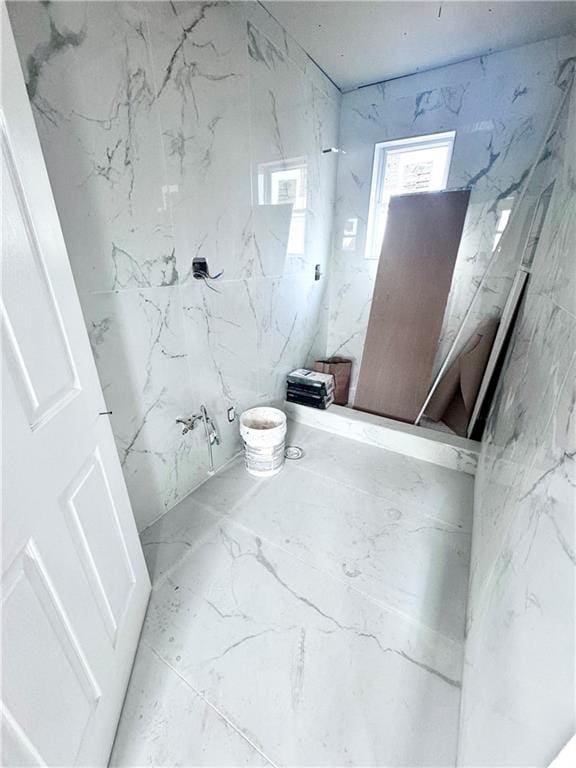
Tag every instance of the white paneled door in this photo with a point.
(74, 582)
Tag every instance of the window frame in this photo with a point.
(264, 185)
(381, 151)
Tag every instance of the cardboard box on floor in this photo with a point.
(341, 369)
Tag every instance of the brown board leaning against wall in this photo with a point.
(420, 245)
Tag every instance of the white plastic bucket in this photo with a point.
(263, 431)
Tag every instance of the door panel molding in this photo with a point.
(29, 586)
(14, 739)
(111, 619)
(28, 564)
(39, 409)
(75, 581)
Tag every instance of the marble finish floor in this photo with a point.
(311, 619)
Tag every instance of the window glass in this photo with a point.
(285, 183)
(418, 164)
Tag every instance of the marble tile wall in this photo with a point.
(491, 293)
(166, 128)
(500, 106)
(518, 705)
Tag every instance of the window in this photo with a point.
(285, 183)
(505, 209)
(350, 233)
(537, 225)
(419, 164)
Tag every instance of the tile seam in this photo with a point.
(212, 706)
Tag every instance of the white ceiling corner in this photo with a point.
(357, 42)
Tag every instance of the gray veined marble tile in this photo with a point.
(500, 107)
(165, 723)
(174, 535)
(521, 614)
(310, 672)
(138, 343)
(285, 46)
(181, 531)
(200, 64)
(526, 602)
(293, 311)
(155, 163)
(277, 88)
(271, 238)
(516, 450)
(350, 303)
(227, 488)
(537, 369)
(226, 334)
(386, 550)
(439, 493)
(102, 143)
(556, 275)
(167, 541)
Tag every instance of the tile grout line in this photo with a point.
(226, 517)
(209, 703)
(252, 491)
(188, 495)
(484, 594)
(204, 507)
(163, 578)
(469, 453)
(453, 643)
(453, 526)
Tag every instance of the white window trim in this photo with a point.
(446, 138)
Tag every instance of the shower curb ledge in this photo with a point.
(446, 450)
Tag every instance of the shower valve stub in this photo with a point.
(210, 431)
(200, 270)
(189, 423)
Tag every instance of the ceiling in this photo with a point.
(357, 42)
